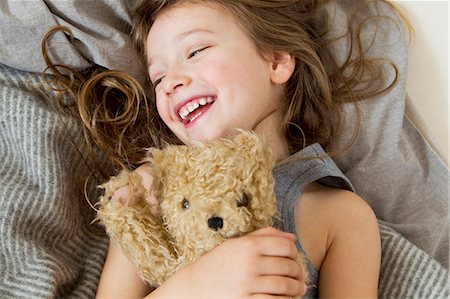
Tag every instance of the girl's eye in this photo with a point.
(196, 52)
(157, 81)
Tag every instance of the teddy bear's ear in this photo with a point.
(158, 159)
(259, 184)
(254, 147)
(161, 159)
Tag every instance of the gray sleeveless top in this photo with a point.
(291, 177)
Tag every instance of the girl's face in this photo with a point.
(208, 76)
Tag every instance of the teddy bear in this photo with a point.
(205, 193)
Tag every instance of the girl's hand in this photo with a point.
(261, 264)
(125, 194)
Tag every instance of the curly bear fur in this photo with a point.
(206, 193)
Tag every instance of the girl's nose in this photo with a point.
(175, 81)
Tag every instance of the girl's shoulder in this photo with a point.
(328, 201)
(326, 215)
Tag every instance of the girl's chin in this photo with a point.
(191, 141)
(204, 132)
(201, 137)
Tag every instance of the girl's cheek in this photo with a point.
(159, 107)
(162, 108)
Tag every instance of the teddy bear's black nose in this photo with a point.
(215, 223)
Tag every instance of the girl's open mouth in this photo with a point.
(192, 110)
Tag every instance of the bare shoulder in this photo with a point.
(340, 234)
(325, 215)
(334, 206)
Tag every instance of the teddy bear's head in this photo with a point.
(212, 191)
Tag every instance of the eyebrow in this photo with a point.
(184, 35)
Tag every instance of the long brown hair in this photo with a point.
(118, 118)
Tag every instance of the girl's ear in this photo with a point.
(282, 67)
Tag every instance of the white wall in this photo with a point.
(427, 80)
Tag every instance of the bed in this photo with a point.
(48, 249)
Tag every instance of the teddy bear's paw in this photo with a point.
(141, 237)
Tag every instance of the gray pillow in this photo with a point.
(390, 165)
(100, 29)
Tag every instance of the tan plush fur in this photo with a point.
(193, 184)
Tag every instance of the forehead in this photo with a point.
(186, 17)
(198, 14)
(203, 10)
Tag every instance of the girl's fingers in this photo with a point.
(144, 172)
(279, 285)
(125, 195)
(271, 231)
(277, 247)
(265, 296)
(279, 266)
(122, 194)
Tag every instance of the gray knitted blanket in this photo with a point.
(407, 271)
(49, 250)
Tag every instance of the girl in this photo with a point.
(218, 65)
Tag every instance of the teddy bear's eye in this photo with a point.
(243, 202)
(185, 204)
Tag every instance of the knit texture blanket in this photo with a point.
(48, 249)
(407, 271)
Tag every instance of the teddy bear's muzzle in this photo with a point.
(215, 223)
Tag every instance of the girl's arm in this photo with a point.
(262, 263)
(350, 252)
(119, 277)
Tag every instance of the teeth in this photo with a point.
(197, 115)
(191, 106)
(183, 113)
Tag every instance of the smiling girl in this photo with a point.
(259, 65)
(209, 77)
(217, 66)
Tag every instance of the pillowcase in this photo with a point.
(100, 32)
(390, 164)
